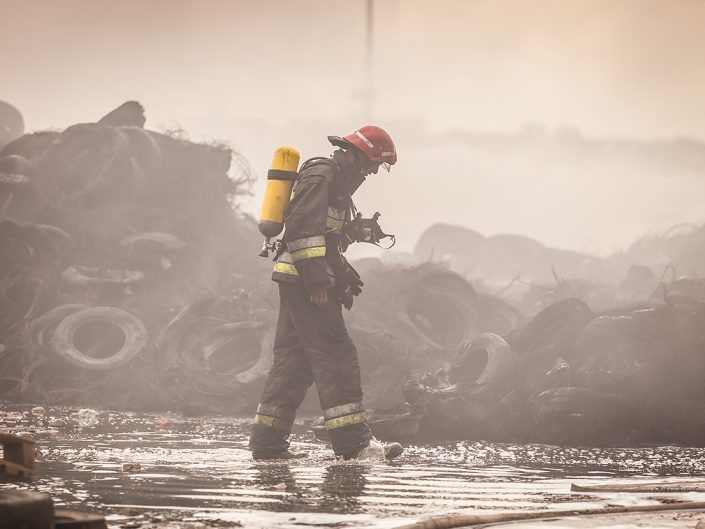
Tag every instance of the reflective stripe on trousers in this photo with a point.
(312, 344)
(345, 415)
(274, 417)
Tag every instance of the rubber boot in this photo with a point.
(378, 450)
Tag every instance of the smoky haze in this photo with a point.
(554, 120)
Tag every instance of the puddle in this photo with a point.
(199, 470)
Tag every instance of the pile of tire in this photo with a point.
(108, 231)
(626, 376)
(463, 401)
(214, 361)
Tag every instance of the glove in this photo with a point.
(355, 285)
(346, 298)
(348, 282)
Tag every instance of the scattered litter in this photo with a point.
(131, 467)
(87, 417)
(162, 424)
(129, 511)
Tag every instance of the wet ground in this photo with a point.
(170, 471)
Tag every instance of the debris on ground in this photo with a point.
(131, 467)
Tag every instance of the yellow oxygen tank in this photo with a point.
(280, 181)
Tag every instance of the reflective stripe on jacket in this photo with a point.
(313, 219)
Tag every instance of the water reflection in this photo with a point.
(277, 476)
(201, 468)
(342, 486)
(274, 476)
(335, 488)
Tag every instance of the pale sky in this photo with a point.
(262, 73)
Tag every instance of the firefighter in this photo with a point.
(312, 343)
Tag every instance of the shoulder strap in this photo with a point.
(319, 160)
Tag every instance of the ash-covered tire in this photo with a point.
(557, 325)
(203, 354)
(40, 240)
(442, 307)
(30, 146)
(134, 331)
(498, 316)
(156, 239)
(84, 158)
(223, 362)
(143, 147)
(489, 363)
(10, 387)
(79, 276)
(45, 324)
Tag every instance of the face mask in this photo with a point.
(366, 230)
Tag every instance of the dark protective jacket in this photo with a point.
(311, 342)
(319, 207)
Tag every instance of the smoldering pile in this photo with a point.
(108, 230)
(611, 357)
(598, 363)
(130, 282)
(628, 376)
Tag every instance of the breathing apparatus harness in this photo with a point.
(355, 229)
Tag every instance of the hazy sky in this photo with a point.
(260, 73)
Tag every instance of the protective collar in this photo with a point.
(351, 173)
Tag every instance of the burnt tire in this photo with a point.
(79, 276)
(204, 354)
(557, 325)
(442, 306)
(162, 241)
(10, 387)
(44, 325)
(489, 363)
(498, 316)
(30, 146)
(134, 331)
(84, 158)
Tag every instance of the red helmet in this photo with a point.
(372, 141)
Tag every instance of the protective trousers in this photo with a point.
(311, 345)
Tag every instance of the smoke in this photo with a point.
(262, 74)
